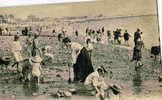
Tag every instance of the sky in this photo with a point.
(106, 7)
(4, 3)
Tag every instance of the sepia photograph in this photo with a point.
(92, 50)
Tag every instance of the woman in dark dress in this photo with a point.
(35, 49)
(82, 65)
(126, 37)
(137, 53)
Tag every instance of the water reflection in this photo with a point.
(137, 81)
(84, 98)
(29, 90)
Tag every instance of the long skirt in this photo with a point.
(137, 55)
(36, 70)
(83, 66)
(35, 51)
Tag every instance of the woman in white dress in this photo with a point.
(36, 67)
(16, 50)
(82, 65)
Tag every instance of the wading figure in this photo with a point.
(6, 31)
(29, 44)
(76, 33)
(53, 32)
(141, 34)
(26, 71)
(60, 36)
(35, 49)
(155, 51)
(63, 31)
(109, 35)
(103, 29)
(87, 31)
(126, 37)
(137, 35)
(36, 68)
(137, 52)
(16, 50)
(1, 31)
(117, 35)
(82, 65)
(25, 31)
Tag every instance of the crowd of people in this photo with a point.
(83, 69)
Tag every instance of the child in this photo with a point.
(36, 67)
(95, 81)
(47, 57)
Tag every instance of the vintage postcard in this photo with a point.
(98, 50)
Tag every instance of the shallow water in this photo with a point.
(132, 90)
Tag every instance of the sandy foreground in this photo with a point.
(122, 97)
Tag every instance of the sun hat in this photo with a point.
(116, 89)
(7, 58)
